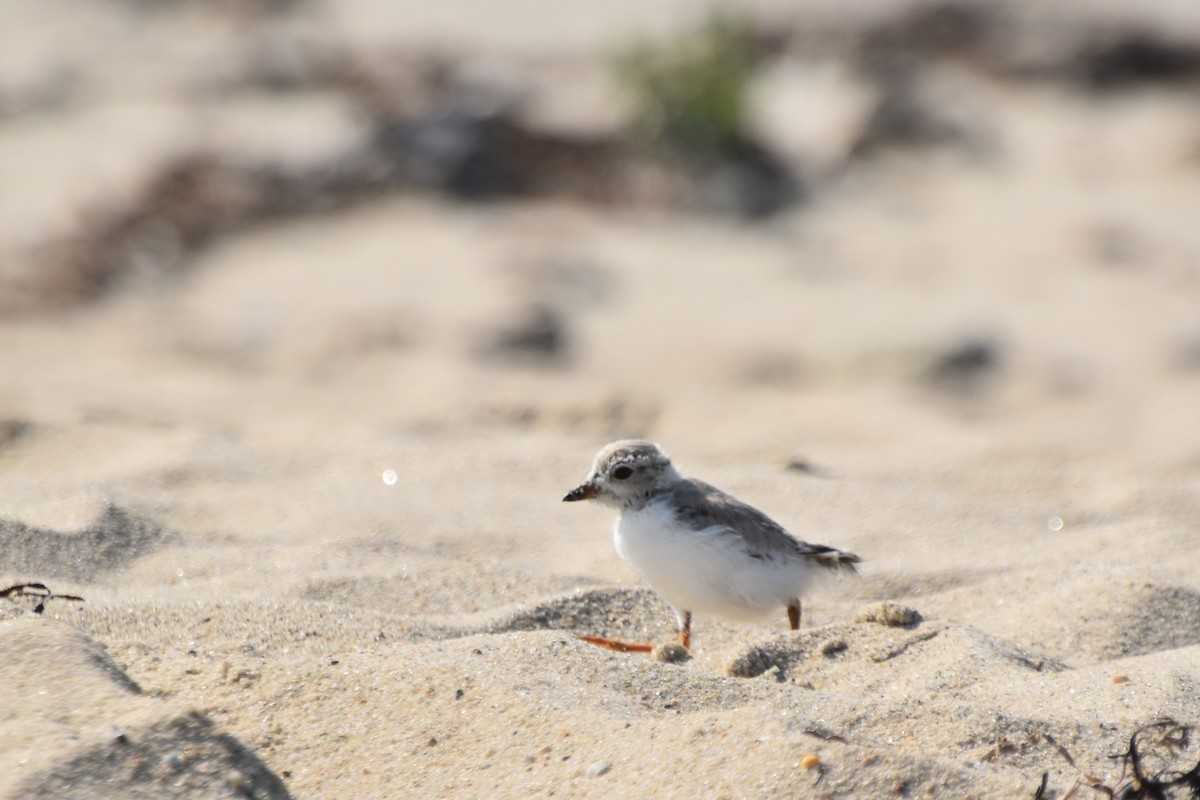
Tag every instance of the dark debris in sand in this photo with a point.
(1150, 767)
(39, 592)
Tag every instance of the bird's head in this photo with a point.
(625, 474)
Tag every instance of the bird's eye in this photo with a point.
(621, 473)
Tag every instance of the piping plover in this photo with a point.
(703, 550)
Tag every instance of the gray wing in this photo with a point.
(702, 505)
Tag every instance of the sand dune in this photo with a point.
(76, 725)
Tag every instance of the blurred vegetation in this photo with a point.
(690, 96)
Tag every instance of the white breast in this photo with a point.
(704, 571)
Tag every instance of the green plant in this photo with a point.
(689, 97)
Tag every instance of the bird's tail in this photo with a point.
(835, 560)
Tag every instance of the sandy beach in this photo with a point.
(294, 418)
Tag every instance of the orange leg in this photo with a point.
(685, 639)
(794, 614)
(620, 647)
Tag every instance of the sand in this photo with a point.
(306, 471)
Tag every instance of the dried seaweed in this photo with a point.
(1160, 742)
(37, 590)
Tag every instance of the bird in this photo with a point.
(703, 550)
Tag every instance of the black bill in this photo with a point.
(585, 492)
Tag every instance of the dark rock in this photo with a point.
(461, 152)
(539, 336)
(747, 181)
(13, 430)
(965, 365)
(1138, 57)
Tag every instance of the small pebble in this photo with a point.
(670, 653)
(598, 769)
(1120, 678)
(802, 465)
(834, 646)
(237, 781)
(893, 615)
